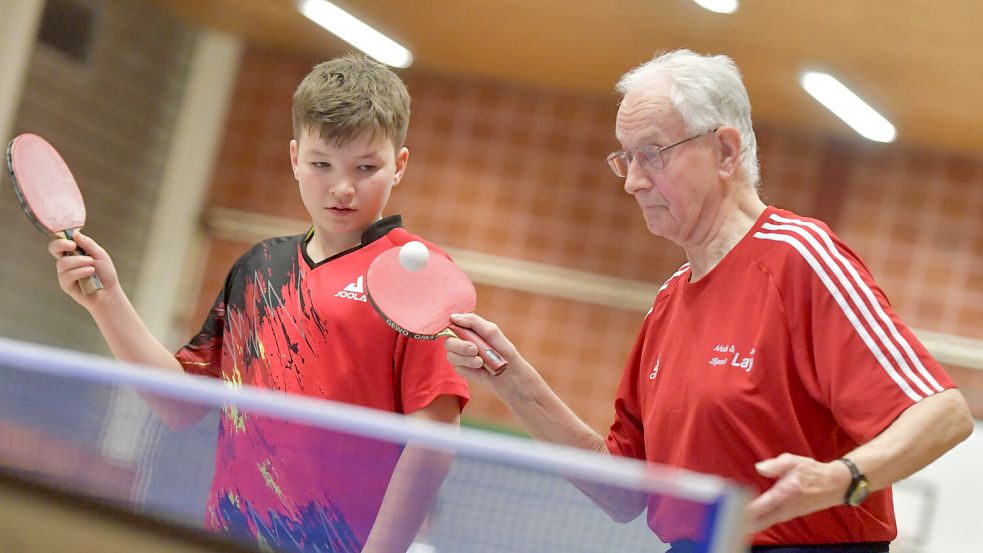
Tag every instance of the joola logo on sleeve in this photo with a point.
(354, 291)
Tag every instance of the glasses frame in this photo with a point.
(649, 153)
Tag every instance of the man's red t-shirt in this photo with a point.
(786, 345)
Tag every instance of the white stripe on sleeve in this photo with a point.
(824, 277)
(869, 294)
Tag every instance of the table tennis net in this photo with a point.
(290, 473)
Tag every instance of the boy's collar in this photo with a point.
(381, 228)
(374, 232)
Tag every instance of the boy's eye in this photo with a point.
(321, 164)
(367, 168)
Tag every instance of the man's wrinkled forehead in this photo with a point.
(644, 111)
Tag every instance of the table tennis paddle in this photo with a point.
(419, 303)
(47, 192)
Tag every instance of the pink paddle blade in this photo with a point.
(47, 192)
(45, 187)
(419, 303)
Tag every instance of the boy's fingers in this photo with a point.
(90, 246)
(60, 246)
(70, 277)
(71, 262)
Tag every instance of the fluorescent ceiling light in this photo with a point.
(848, 106)
(356, 33)
(719, 6)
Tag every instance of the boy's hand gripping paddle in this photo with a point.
(47, 192)
(419, 303)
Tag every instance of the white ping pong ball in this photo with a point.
(413, 256)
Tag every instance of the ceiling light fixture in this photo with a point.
(356, 33)
(848, 106)
(719, 6)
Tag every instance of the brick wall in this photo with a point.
(520, 172)
(111, 116)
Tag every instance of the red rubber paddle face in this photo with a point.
(45, 187)
(418, 303)
(47, 192)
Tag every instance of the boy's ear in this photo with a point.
(402, 158)
(293, 157)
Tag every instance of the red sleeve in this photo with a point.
(857, 357)
(203, 354)
(422, 373)
(626, 436)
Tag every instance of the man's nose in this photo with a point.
(637, 179)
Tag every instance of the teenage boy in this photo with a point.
(293, 317)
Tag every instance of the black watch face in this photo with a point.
(859, 493)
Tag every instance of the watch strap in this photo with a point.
(854, 471)
(857, 479)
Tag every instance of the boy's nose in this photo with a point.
(344, 188)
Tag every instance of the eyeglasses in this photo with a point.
(651, 155)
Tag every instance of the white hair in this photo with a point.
(707, 92)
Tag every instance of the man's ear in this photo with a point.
(402, 158)
(728, 140)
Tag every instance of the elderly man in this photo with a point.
(771, 357)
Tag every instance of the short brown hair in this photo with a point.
(347, 96)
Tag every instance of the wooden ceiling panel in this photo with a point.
(921, 63)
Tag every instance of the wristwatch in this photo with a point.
(859, 486)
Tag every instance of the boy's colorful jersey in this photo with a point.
(285, 323)
(787, 345)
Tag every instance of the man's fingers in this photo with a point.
(803, 486)
(764, 504)
(771, 506)
(763, 522)
(467, 361)
(461, 347)
(777, 466)
(471, 373)
(474, 322)
(462, 354)
(488, 331)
